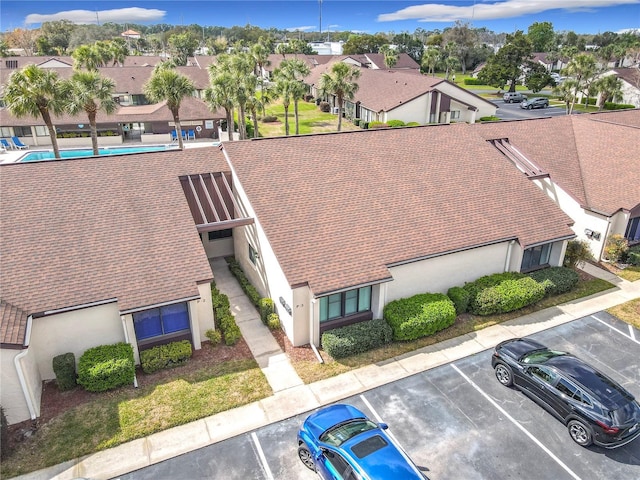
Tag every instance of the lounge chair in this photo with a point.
(184, 134)
(19, 145)
(5, 143)
(191, 135)
(174, 136)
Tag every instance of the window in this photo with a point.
(633, 230)
(41, 131)
(5, 132)
(344, 304)
(535, 257)
(455, 114)
(12, 64)
(22, 131)
(253, 255)
(339, 464)
(165, 320)
(543, 374)
(220, 234)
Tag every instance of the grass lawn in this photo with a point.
(628, 312)
(311, 120)
(631, 273)
(312, 371)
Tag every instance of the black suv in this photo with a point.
(594, 408)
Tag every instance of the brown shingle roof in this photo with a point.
(338, 208)
(88, 230)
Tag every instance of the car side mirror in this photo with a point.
(383, 426)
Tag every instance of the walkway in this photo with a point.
(299, 399)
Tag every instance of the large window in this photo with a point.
(165, 320)
(344, 304)
(217, 234)
(633, 230)
(536, 257)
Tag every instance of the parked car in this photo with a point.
(339, 441)
(594, 407)
(537, 102)
(511, 97)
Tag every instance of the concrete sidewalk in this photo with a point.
(300, 398)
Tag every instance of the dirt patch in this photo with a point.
(296, 354)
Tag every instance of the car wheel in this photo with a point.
(529, 107)
(545, 105)
(504, 374)
(305, 457)
(580, 433)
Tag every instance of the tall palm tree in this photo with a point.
(390, 56)
(582, 69)
(220, 94)
(609, 87)
(242, 69)
(86, 56)
(167, 84)
(260, 53)
(91, 92)
(294, 72)
(430, 59)
(33, 92)
(340, 82)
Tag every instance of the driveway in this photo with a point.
(455, 420)
(512, 111)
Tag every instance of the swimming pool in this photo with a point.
(88, 152)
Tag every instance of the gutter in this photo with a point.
(311, 330)
(508, 259)
(23, 382)
(126, 339)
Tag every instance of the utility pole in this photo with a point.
(320, 4)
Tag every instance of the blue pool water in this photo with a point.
(77, 153)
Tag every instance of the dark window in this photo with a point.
(220, 234)
(253, 255)
(369, 446)
(535, 257)
(543, 374)
(572, 391)
(633, 230)
(165, 320)
(22, 131)
(11, 64)
(340, 465)
(344, 304)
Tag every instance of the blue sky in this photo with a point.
(581, 16)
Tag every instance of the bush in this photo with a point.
(357, 338)
(325, 107)
(617, 106)
(223, 317)
(364, 125)
(616, 248)
(418, 316)
(377, 125)
(64, 366)
(106, 367)
(214, 336)
(633, 255)
(577, 253)
(509, 295)
(269, 119)
(4, 435)
(265, 307)
(412, 124)
(491, 118)
(472, 81)
(488, 281)
(556, 280)
(356, 121)
(395, 123)
(165, 356)
(460, 298)
(273, 321)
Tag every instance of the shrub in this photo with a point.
(252, 293)
(64, 366)
(395, 123)
(418, 316)
(577, 253)
(308, 97)
(472, 81)
(165, 356)
(460, 298)
(491, 118)
(4, 435)
(269, 119)
(364, 125)
(356, 121)
(633, 255)
(556, 280)
(214, 336)
(412, 124)
(377, 125)
(616, 248)
(509, 295)
(265, 307)
(617, 106)
(357, 338)
(223, 317)
(273, 321)
(475, 287)
(106, 367)
(324, 107)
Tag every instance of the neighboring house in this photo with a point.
(103, 250)
(588, 164)
(630, 80)
(409, 96)
(551, 65)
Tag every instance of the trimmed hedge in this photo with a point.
(475, 287)
(633, 255)
(509, 295)
(165, 356)
(418, 316)
(106, 367)
(556, 280)
(222, 314)
(273, 321)
(64, 366)
(375, 124)
(266, 308)
(460, 298)
(357, 338)
(396, 123)
(214, 336)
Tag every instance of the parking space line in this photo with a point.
(516, 423)
(631, 335)
(263, 459)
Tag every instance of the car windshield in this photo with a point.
(342, 432)
(540, 356)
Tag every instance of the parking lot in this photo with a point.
(456, 421)
(512, 111)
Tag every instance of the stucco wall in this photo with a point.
(74, 331)
(204, 310)
(12, 397)
(221, 247)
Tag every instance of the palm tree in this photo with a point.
(582, 68)
(609, 87)
(341, 82)
(86, 56)
(220, 93)
(293, 72)
(430, 59)
(390, 56)
(91, 92)
(33, 92)
(242, 69)
(283, 89)
(260, 53)
(166, 84)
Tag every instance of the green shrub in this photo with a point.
(460, 298)
(252, 293)
(556, 280)
(64, 366)
(617, 106)
(4, 435)
(616, 248)
(633, 255)
(269, 119)
(509, 295)
(491, 118)
(265, 307)
(214, 336)
(412, 124)
(165, 356)
(356, 121)
(377, 125)
(273, 321)
(472, 81)
(418, 316)
(396, 123)
(475, 287)
(357, 338)
(364, 125)
(232, 334)
(324, 107)
(106, 367)
(577, 253)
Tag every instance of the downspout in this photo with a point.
(126, 339)
(18, 365)
(311, 330)
(507, 261)
(604, 240)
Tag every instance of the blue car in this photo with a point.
(340, 442)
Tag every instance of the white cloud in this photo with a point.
(118, 15)
(435, 12)
(300, 29)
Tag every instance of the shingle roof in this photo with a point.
(80, 231)
(595, 157)
(338, 208)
